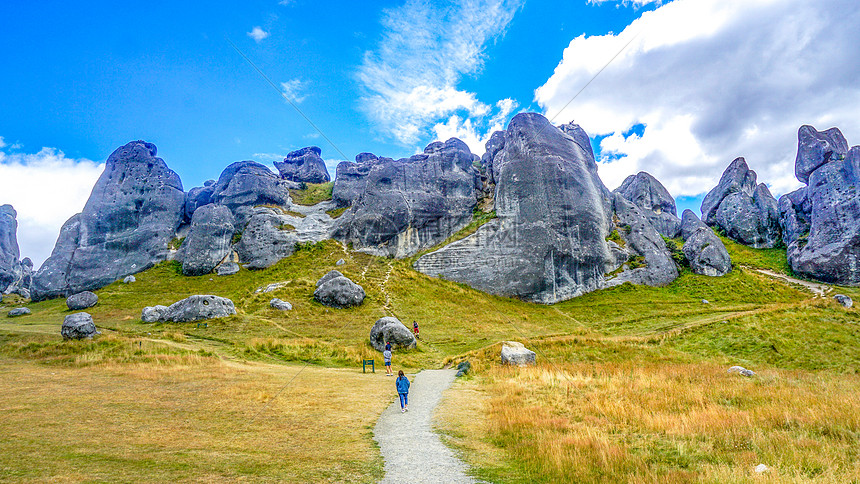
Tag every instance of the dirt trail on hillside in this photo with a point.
(817, 288)
(411, 450)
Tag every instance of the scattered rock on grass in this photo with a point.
(129, 279)
(340, 262)
(337, 291)
(391, 330)
(280, 305)
(761, 468)
(271, 287)
(18, 312)
(514, 353)
(152, 314)
(463, 368)
(78, 326)
(81, 300)
(741, 370)
(227, 269)
(844, 300)
(194, 308)
(705, 301)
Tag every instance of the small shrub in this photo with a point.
(310, 246)
(236, 238)
(676, 252)
(286, 227)
(176, 243)
(616, 237)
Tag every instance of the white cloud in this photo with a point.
(635, 3)
(426, 49)
(473, 135)
(294, 89)
(2, 143)
(258, 34)
(713, 80)
(46, 188)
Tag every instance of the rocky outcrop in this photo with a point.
(515, 353)
(746, 212)
(78, 326)
(208, 241)
(547, 243)
(391, 330)
(194, 308)
(268, 238)
(125, 226)
(15, 276)
(654, 201)
(705, 252)
(648, 261)
(493, 145)
(198, 197)
(338, 291)
(18, 312)
(821, 221)
(81, 300)
(245, 185)
(304, 165)
(400, 207)
(228, 269)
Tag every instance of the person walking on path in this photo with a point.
(415, 329)
(386, 355)
(402, 384)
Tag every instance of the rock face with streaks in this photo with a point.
(208, 241)
(400, 207)
(391, 330)
(705, 252)
(495, 144)
(821, 221)
(15, 276)
(654, 201)
(647, 259)
(746, 212)
(304, 165)
(547, 243)
(125, 226)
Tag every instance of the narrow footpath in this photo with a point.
(411, 450)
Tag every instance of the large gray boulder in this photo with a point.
(649, 261)
(339, 292)
(81, 300)
(328, 276)
(208, 241)
(493, 145)
(125, 227)
(654, 201)
(18, 312)
(844, 300)
(515, 353)
(705, 252)
(267, 238)
(193, 308)
(78, 326)
(304, 165)
(391, 330)
(548, 242)
(815, 148)
(821, 221)
(401, 207)
(746, 212)
(245, 185)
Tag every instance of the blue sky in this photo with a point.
(701, 82)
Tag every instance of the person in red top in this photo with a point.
(415, 329)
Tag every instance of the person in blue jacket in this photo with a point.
(402, 384)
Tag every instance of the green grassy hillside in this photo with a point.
(610, 363)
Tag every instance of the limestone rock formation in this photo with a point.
(198, 197)
(338, 291)
(493, 145)
(266, 239)
(125, 226)
(654, 201)
(15, 275)
(400, 207)
(304, 165)
(81, 300)
(705, 252)
(547, 243)
(515, 353)
(78, 326)
(821, 221)
(228, 269)
(245, 185)
(648, 262)
(193, 308)
(746, 212)
(391, 330)
(208, 241)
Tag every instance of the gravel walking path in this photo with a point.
(411, 450)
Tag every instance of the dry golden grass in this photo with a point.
(656, 422)
(121, 422)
